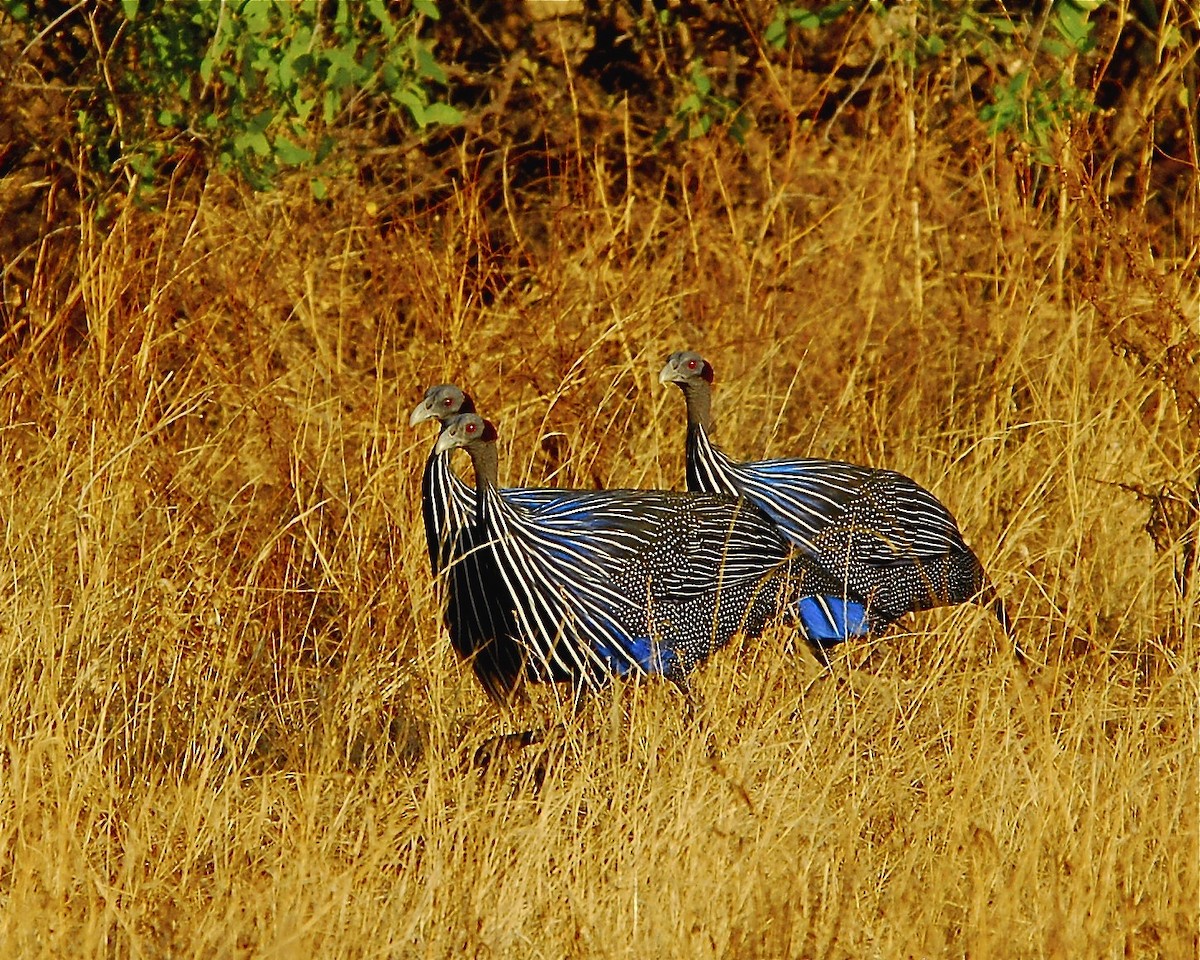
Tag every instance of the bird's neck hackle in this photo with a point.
(486, 461)
(697, 395)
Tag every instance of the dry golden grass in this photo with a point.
(231, 723)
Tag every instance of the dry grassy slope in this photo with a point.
(232, 725)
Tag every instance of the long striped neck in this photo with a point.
(697, 394)
(706, 463)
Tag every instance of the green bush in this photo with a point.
(1032, 103)
(258, 86)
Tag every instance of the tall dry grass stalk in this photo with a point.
(232, 724)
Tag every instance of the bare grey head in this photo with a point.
(694, 376)
(468, 431)
(685, 368)
(441, 402)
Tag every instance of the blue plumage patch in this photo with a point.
(833, 619)
(584, 508)
(642, 651)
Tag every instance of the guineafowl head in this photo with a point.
(467, 430)
(685, 368)
(441, 402)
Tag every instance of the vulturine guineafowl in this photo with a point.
(479, 616)
(890, 542)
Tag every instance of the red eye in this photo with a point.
(446, 402)
(691, 364)
(470, 428)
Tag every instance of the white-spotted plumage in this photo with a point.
(624, 582)
(890, 543)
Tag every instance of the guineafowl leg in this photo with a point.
(989, 598)
(820, 654)
(692, 703)
(579, 697)
(493, 748)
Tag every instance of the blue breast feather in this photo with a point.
(832, 619)
(651, 657)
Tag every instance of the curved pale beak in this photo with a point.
(423, 412)
(446, 441)
(669, 373)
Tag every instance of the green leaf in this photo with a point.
(412, 100)
(291, 153)
(300, 44)
(256, 15)
(319, 190)
(378, 9)
(332, 104)
(443, 113)
(832, 11)
(428, 8)
(1074, 26)
(286, 12)
(130, 9)
(427, 66)
(342, 66)
(142, 165)
(285, 72)
(1056, 49)
(776, 32)
(252, 141)
(260, 121)
(303, 108)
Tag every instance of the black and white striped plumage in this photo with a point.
(478, 615)
(625, 582)
(447, 502)
(889, 542)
